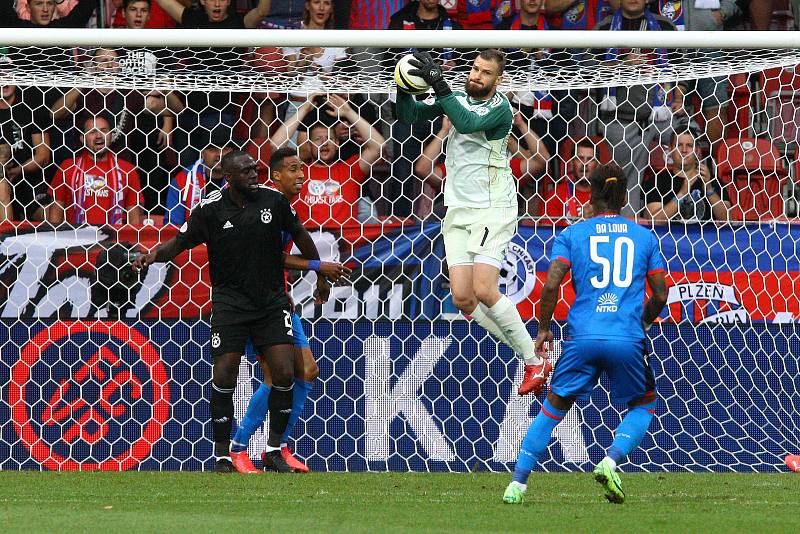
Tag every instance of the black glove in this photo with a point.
(431, 72)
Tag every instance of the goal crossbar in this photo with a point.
(750, 40)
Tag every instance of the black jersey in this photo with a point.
(245, 250)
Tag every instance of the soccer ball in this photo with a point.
(408, 82)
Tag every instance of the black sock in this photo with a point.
(280, 409)
(222, 418)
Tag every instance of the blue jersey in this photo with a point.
(610, 258)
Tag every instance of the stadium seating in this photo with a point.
(754, 174)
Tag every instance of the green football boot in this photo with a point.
(608, 477)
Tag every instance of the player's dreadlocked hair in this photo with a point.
(609, 188)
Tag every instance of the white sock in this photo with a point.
(506, 316)
(610, 462)
(522, 487)
(481, 317)
(267, 448)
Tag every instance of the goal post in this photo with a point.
(103, 370)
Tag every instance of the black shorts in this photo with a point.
(229, 334)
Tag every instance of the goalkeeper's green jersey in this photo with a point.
(478, 170)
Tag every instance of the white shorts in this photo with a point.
(478, 234)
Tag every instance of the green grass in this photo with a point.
(194, 503)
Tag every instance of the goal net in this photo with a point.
(108, 138)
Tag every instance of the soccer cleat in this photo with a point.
(224, 465)
(793, 462)
(608, 477)
(294, 463)
(242, 463)
(535, 378)
(515, 493)
(273, 461)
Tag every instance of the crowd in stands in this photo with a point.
(112, 156)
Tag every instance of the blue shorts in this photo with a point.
(300, 339)
(582, 361)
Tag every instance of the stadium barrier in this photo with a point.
(401, 387)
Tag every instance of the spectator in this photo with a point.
(210, 108)
(635, 117)
(193, 183)
(138, 14)
(481, 14)
(331, 193)
(422, 15)
(214, 14)
(23, 123)
(527, 163)
(712, 92)
(61, 9)
(311, 64)
(579, 14)
(407, 139)
(144, 122)
(536, 106)
(96, 187)
(573, 15)
(42, 13)
(570, 196)
(688, 190)
(284, 15)
(373, 14)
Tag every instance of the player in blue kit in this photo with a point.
(286, 172)
(610, 258)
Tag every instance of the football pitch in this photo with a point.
(389, 503)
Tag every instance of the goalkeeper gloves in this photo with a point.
(431, 72)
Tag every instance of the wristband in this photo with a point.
(313, 265)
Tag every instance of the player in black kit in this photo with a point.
(242, 226)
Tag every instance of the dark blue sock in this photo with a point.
(301, 391)
(536, 440)
(631, 430)
(253, 418)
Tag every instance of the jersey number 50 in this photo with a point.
(613, 268)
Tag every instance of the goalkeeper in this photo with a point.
(481, 198)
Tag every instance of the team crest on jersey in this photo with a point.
(266, 216)
(215, 340)
(607, 302)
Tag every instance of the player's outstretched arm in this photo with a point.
(163, 252)
(547, 303)
(309, 251)
(333, 271)
(657, 300)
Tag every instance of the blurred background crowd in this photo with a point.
(707, 150)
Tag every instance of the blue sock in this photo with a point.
(253, 418)
(301, 391)
(631, 430)
(536, 440)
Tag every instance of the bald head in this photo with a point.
(234, 160)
